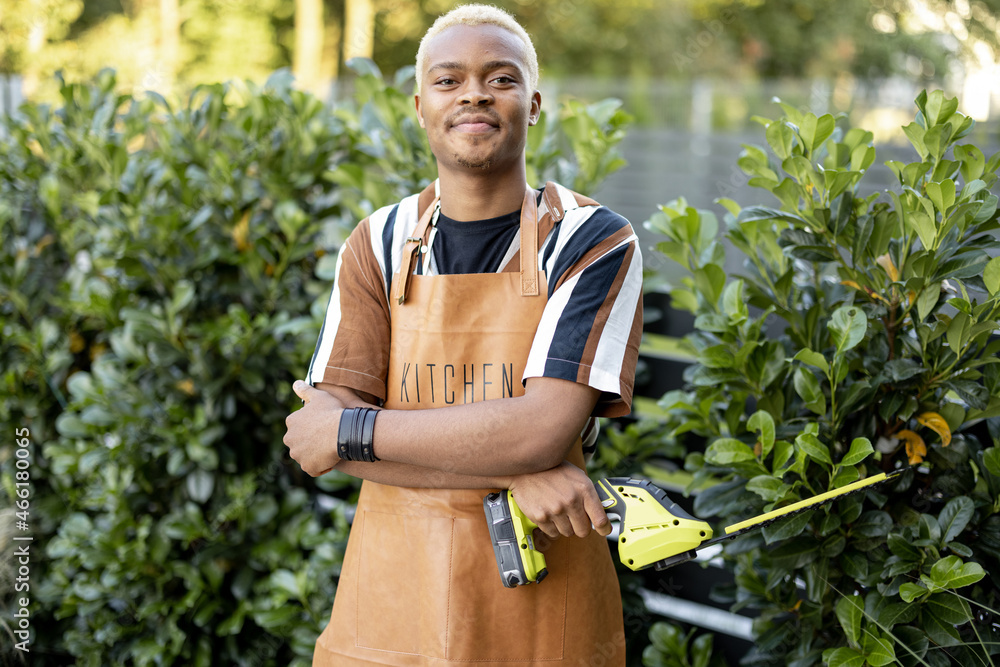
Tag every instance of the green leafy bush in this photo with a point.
(860, 337)
(164, 269)
(669, 647)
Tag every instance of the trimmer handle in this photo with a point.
(517, 559)
(653, 528)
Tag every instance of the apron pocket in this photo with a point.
(403, 583)
(488, 622)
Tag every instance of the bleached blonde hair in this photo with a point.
(479, 15)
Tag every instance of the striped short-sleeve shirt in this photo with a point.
(590, 328)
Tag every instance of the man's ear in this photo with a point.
(420, 116)
(536, 108)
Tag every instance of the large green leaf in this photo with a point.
(723, 499)
(924, 226)
(753, 213)
(783, 529)
(710, 281)
(910, 592)
(815, 449)
(970, 391)
(847, 326)
(973, 161)
(781, 138)
(936, 107)
(850, 611)
(767, 487)
(878, 650)
(815, 131)
(942, 195)
(963, 265)
(991, 459)
(814, 359)
(763, 423)
(902, 548)
(667, 637)
(717, 356)
(950, 608)
(855, 393)
(927, 300)
(860, 449)
(940, 631)
(903, 369)
(916, 133)
(843, 657)
(898, 612)
(846, 475)
(783, 451)
(955, 517)
(951, 572)
(809, 390)
(874, 523)
(991, 276)
(726, 451)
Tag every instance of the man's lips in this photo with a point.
(474, 127)
(474, 124)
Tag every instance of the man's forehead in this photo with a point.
(457, 43)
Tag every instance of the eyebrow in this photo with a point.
(487, 67)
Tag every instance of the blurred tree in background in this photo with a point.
(159, 43)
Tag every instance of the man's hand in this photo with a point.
(561, 501)
(312, 430)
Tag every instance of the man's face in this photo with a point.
(474, 98)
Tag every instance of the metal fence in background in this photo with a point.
(11, 96)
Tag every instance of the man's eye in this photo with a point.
(504, 79)
(445, 82)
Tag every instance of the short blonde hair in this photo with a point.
(479, 15)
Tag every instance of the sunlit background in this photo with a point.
(724, 53)
(693, 74)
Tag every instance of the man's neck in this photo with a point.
(467, 196)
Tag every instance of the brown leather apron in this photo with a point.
(419, 584)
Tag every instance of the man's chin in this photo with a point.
(478, 164)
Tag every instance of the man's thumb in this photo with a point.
(301, 389)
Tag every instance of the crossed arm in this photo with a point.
(519, 444)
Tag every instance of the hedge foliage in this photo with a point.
(163, 272)
(860, 336)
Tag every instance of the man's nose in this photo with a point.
(476, 94)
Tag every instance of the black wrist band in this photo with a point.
(367, 436)
(359, 418)
(344, 434)
(355, 435)
(354, 444)
(355, 441)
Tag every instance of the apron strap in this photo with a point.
(529, 244)
(413, 245)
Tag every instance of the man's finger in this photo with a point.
(548, 529)
(580, 523)
(597, 515)
(564, 525)
(302, 390)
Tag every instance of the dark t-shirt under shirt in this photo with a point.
(476, 246)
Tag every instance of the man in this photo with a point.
(485, 324)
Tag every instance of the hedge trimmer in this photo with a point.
(654, 531)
